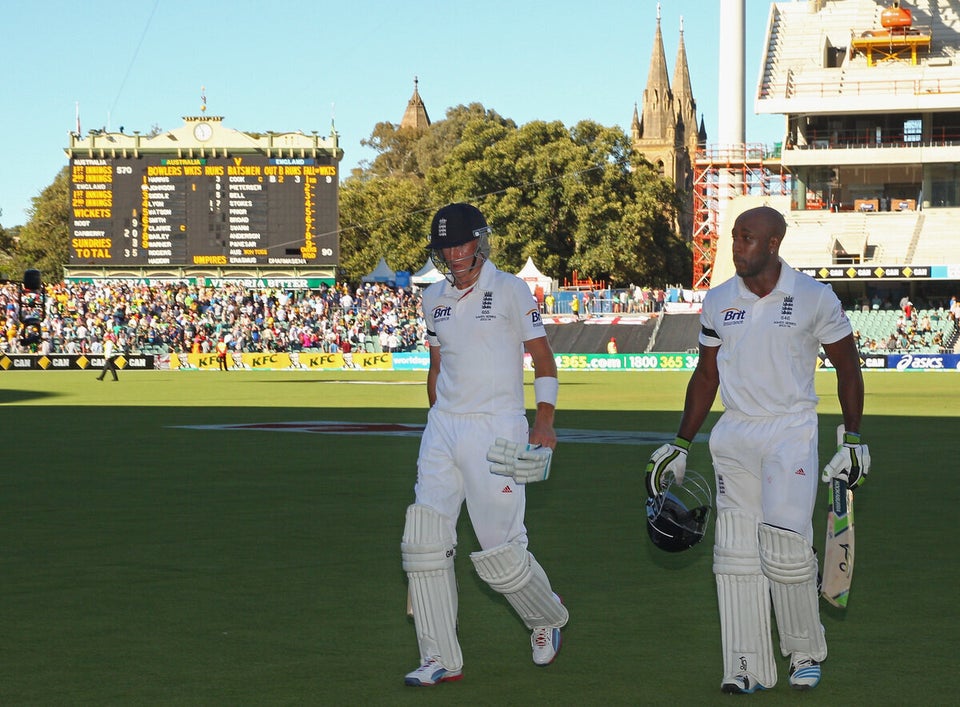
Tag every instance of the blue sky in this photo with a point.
(297, 64)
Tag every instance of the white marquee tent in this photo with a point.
(381, 273)
(530, 274)
(427, 274)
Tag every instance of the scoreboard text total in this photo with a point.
(242, 210)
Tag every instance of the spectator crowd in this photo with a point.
(178, 317)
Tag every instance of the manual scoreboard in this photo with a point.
(240, 210)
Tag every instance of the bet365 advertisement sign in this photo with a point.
(627, 362)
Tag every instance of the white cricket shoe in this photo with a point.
(431, 673)
(804, 672)
(545, 641)
(742, 684)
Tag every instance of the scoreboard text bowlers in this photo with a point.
(240, 210)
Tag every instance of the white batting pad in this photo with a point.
(428, 553)
(512, 571)
(744, 600)
(789, 563)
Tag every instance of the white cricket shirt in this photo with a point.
(480, 333)
(768, 347)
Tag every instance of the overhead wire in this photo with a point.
(133, 58)
(430, 209)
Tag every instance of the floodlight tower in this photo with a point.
(732, 96)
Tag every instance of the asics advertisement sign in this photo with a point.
(924, 362)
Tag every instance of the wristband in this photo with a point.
(684, 444)
(545, 389)
(851, 438)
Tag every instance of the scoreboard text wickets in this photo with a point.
(242, 210)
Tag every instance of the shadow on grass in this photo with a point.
(12, 397)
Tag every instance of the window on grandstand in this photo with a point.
(913, 130)
(944, 187)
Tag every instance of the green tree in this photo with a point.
(386, 207)
(8, 242)
(573, 200)
(436, 144)
(407, 152)
(382, 217)
(396, 150)
(45, 238)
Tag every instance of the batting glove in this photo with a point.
(668, 458)
(851, 462)
(525, 463)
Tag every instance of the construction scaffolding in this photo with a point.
(722, 173)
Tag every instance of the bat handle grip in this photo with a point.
(838, 493)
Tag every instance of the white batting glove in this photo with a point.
(668, 458)
(851, 462)
(525, 463)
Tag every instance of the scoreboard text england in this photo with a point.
(241, 210)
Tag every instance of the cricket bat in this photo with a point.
(838, 555)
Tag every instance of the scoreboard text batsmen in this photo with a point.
(242, 210)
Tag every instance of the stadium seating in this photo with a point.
(925, 237)
(798, 39)
(937, 243)
(879, 325)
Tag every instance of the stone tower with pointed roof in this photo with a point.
(415, 116)
(685, 105)
(664, 127)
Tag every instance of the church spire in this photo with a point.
(658, 120)
(415, 115)
(665, 130)
(686, 106)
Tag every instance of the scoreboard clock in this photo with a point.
(202, 131)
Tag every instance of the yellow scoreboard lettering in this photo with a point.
(169, 210)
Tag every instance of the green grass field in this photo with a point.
(142, 562)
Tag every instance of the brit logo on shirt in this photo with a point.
(786, 313)
(441, 313)
(732, 315)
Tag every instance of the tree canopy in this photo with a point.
(45, 238)
(574, 199)
(8, 238)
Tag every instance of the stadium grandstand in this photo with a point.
(869, 92)
(867, 172)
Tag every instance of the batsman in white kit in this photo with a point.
(760, 336)
(478, 446)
